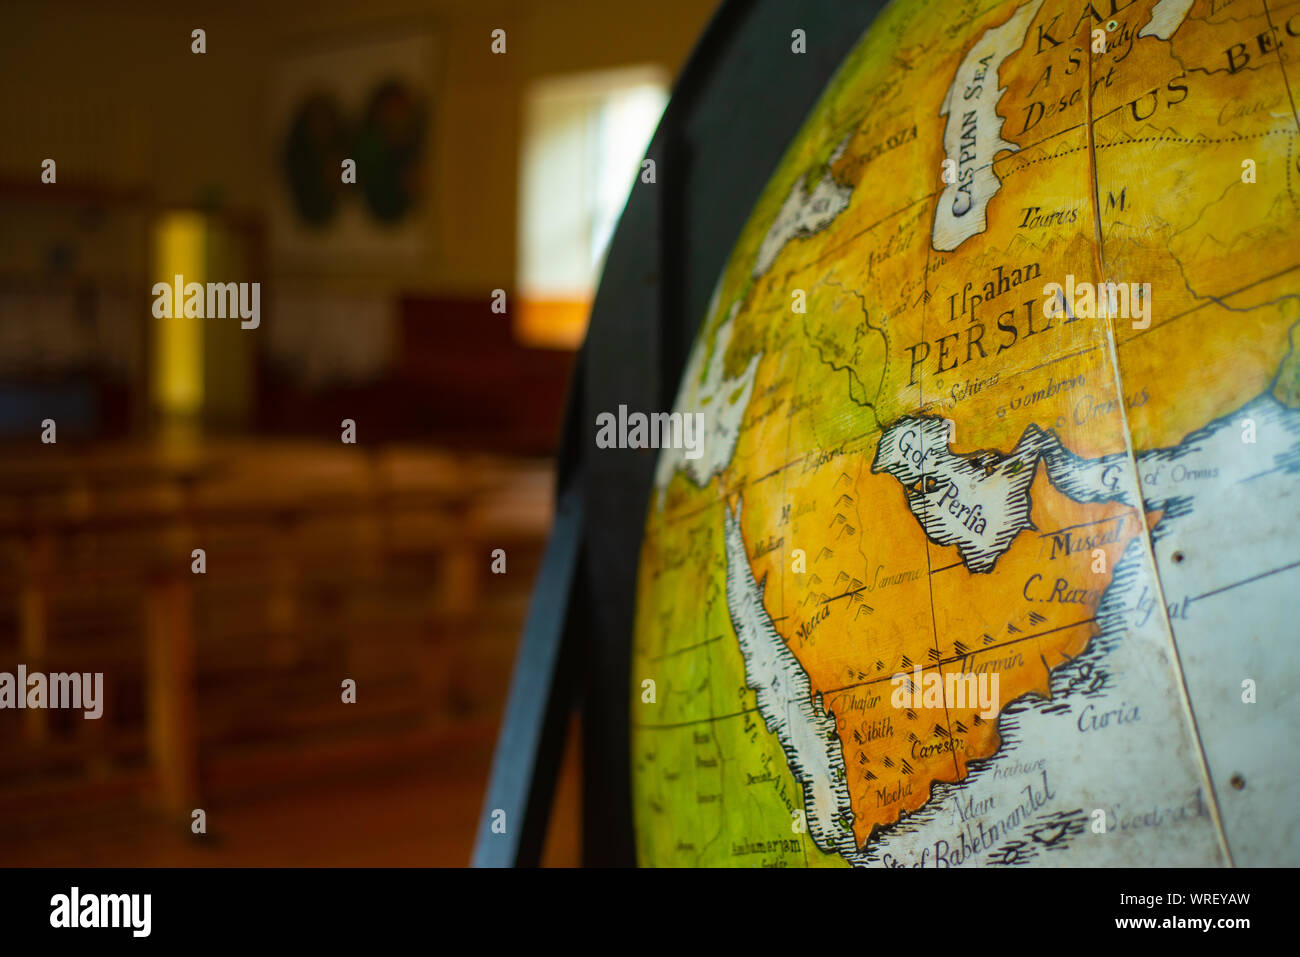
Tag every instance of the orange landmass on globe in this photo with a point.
(854, 620)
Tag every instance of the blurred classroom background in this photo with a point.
(476, 171)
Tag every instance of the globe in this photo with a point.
(988, 554)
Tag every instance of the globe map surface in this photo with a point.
(986, 561)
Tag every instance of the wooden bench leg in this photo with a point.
(460, 590)
(34, 612)
(170, 653)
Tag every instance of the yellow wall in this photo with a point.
(180, 249)
(124, 103)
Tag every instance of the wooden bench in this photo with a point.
(323, 562)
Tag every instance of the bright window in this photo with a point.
(584, 139)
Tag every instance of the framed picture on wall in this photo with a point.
(350, 141)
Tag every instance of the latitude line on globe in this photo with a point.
(686, 648)
(1211, 300)
(669, 726)
(871, 681)
(1245, 581)
(993, 647)
(679, 516)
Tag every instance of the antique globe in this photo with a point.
(989, 553)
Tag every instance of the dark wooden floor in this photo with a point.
(421, 815)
